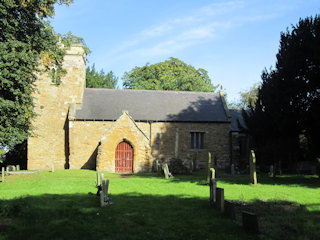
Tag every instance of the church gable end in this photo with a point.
(124, 130)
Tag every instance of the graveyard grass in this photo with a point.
(64, 205)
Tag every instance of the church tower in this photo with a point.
(49, 143)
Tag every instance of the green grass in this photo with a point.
(63, 205)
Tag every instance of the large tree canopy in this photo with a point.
(96, 79)
(172, 74)
(26, 41)
(287, 113)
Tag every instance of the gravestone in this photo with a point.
(18, 167)
(208, 167)
(250, 222)
(52, 167)
(213, 187)
(253, 172)
(166, 171)
(232, 169)
(212, 173)
(220, 199)
(98, 179)
(156, 165)
(102, 187)
(11, 168)
(271, 171)
(229, 210)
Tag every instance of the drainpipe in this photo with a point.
(150, 123)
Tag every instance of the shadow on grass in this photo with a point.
(199, 177)
(131, 216)
(283, 219)
(310, 181)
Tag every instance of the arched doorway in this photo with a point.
(124, 158)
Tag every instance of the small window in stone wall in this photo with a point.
(197, 140)
(158, 141)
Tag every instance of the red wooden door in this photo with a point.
(124, 158)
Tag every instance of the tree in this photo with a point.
(26, 41)
(172, 74)
(247, 98)
(288, 105)
(96, 79)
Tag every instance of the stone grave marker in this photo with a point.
(220, 199)
(166, 171)
(229, 210)
(250, 222)
(208, 167)
(18, 167)
(253, 172)
(232, 169)
(52, 167)
(102, 183)
(271, 171)
(213, 187)
(98, 179)
(212, 173)
(11, 168)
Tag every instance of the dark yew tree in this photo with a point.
(285, 122)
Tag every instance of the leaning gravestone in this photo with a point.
(253, 172)
(166, 171)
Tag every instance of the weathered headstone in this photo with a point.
(253, 172)
(250, 222)
(11, 168)
(166, 171)
(213, 187)
(18, 167)
(220, 199)
(271, 170)
(2, 174)
(98, 178)
(280, 167)
(156, 165)
(232, 169)
(52, 167)
(229, 210)
(212, 173)
(103, 183)
(208, 167)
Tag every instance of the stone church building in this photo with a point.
(124, 131)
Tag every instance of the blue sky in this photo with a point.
(233, 40)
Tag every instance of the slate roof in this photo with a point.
(148, 105)
(235, 116)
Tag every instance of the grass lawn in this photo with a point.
(64, 205)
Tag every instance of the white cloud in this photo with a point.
(202, 25)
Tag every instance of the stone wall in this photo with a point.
(216, 141)
(49, 143)
(84, 140)
(85, 137)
